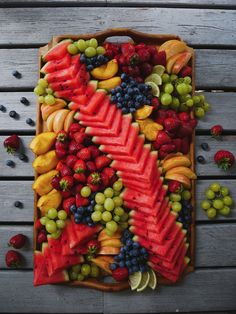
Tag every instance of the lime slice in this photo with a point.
(155, 89)
(135, 280)
(158, 69)
(155, 78)
(144, 282)
(153, 279)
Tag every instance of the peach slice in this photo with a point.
(50, 119)
(104, 262)
(175, 48)
(69, 120)
(180, 178)
(171, 61)
(58, 122)
(103, 236)
(46, 110)
(105, 71)
(111, 242)
(109, 250)
(181, 61)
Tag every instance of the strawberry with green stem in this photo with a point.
(224, 159)
(12, 143)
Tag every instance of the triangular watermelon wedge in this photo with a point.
(94, 102)
(57, 52)
(99, 115)
(56, 65)
(109, 119)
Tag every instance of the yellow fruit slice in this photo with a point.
(103, 235)
(135, 280)
(153, 279)
(158, 69)
(155, 89)
(176, 162)
(45, 162)
(105, 71)
(155, 78)
(58, 122)
(151, 130)
(50, 119)
(143, 123)
(110, 83)
(143, 113)
(144, 282)
(69, 120)
(183, 170)
(180, 178)
(111, 242)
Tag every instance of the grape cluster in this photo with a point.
(89, 47)
(185, 214)
(93, 62)
(44, 93)
(82, 214)
(132, 255)
(83, 271)
(130, 95)
(54, 222)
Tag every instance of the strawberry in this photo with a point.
(94, 187)
(216, 131)
(162, 138)
(12, 143)
(94, 178)
(66, 194)
(38, 224)
(61, 149)
(139, 46)
(74, 127)
(133, 59)
(74, 147)
(224, 159)
(113, 179)
(138, 79)
(110, 172)
(193, 123)
(102, 161)
(143, 55)
(17, 241)
(79, 166)
(65, 171)
(61, 153)
(168, 148)
(77, 188)
(186, 71)
(152, 50)
(177, 142)
(79, 137)
(184, 116)
(105, 179)
(160, 58)
(42, 237)
(120, 273)
(146, 69)
(162, 154)
(13, 259)
(171, 124)
(175, 186)
(172, 114)
(67, 203)
(66, 183)
(161, 116)
(79, 177)
(90, 165)
(81, 201)
(93, 246)
(55, 182)
(84, 154)
(155, 102)
(127, 49)
(71, 160)
(62, 136)
(185, 145)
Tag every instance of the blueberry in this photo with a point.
(201, 159)
(89, 67)
(118, 95)
(18, 204)
(149, 87)
(130, 91)
(124, 110)
(120, 99)
(123, 85)
(134, 261)
(139, 98)
(100, 58)
(130, 271)
(127, 234)
(83, 58)
(149, 96)
(80, 210)
(77, 221)
(2, 108)
(122, 249)
(92, 202)
(93, 59)
(119, 105)
(73, 209)
(97, 64)
(90, 209)
(129, 242)
(148, 102)
(118, 89)
(143, 268)
(84, 221)
(16, 74)
(10, 163)
(113, 266)
(123, 76)
(29, 121)
(24, 101)
(121, 264)
(117, 258)
(90, 224)
(135, 252)
(136, 245)
(132, 110)
(205, 146)
(13, 114)
(113, 99)
(136, 105)
(127, 257)
(145, 256)
(143, 250)
(127, 97)
(23, 157)
(135, 268)
(113, 91)
(181, 219)
(77, 216)
(128, 263)
(88, 219)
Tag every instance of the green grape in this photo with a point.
(218, 204)
(41, 99)
(116, 193)
(165, 78)
(206, 106)
(225, 211)
(62, 214)
(51, 226)
(98, 207)
(85, 191)
(199, 112)
(49, 91)
(118, 185)
(187, 80)
(49, 99)
(39, 90)
(210, 194)
(72, 49)
(224, 191)
(168, 88)
(119, 211)
(211, 213)
(94, 271)
(112, 226)
(108, 192)
(196, 99)
(174, 197)
(228, 200)
(173, 77)
(60, 224)
(44, 220)
(96, 216)
(176, 206)
(189, 103)
(202, 97)
(87, 42)
(43, 83)
(76, 268)
(189, 88)
(124, 217)
(175, 103)
(106, 216)
(81, 45)
(166, 99)
(100, 50)
(184, 98)
(182, 88)
(205, 204)
(100, 198)
(109, 232)
(56, 235)
(109, 204)
(73, 275)
(93, 43)
(118, 201)
(116, 218)
(215, 187)
(183, 107)
(89, 258)
(124, 225)
(52, 213)
(90, 52)
(80, 277)
(85, 269)
(186, 195)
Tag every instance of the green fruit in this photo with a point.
(56, 235)
(108, 192)
(39, 90)
(210, 194)
(176, 207)
(124, 217)
(72, 49)
(183, 107)
(109, 204)
(116, 218)
(118, 185)
(218, 204)
(225, 211)
(94, 271)
(175, 103)
(206, 106)
(41, 99)
(186, 195)
(166, 99)
(44, 220)
(119, 211)
(211, 213)
(187, 80)
(52, 213)
(90, 52)
(99, 207)
(224, 191)
(118, 201)
(49, 99)
(49, 91)
(228, 200)
(205, 205)
(174, 197)
(43, 83)
(93, 43)
(215, 187)
(112, 226)
(182, 89)
(100, 198)
(100, 50)
(96, 216)
(62, 214)
(51, 226)
(60, 224)
(81, 45)
(109, 232)
(85, 269)
(189, 103)
(165, 78)
(106, 216)
(196, 99)
(85, 191)
(173, 77)
(199, 112)
(76, 268)
(80, 277)
(168, 88)
(73, 275)
(123, 225)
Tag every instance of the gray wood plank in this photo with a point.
(211, 66)
(200, 26)
(184, 3)
(48, 2)
(203, 290)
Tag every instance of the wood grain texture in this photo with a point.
(180, 3)
(48, 2)
(196, 26)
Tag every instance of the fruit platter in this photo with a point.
(114, 161)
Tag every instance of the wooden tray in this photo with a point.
(135, 37)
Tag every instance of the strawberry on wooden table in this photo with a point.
(13, 259)
(12, 143)
(17, 241)
(216, 131)
(224, 159)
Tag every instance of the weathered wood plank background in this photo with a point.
(210, 27)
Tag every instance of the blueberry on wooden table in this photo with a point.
(10, 163)
(24, 101)
(18, 204)
(2, 108)
(205, 146)
(23, 157)
(13, 114)
(16, 74)
(201, 159)
(29, 121)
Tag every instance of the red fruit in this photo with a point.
(133, 59)
(152, 50)
(110, 172)
(186, 71)
(224, 159)
(42, 237)
(66, 194)
(74, 147)
(84, 154)
(184, 116)
(94, 178)
(102, 161)
(139, 79)
(71, 160)
(216, 131)
(61, 153)
(65, 171)
(135, 72)
(38, 224)
(79, 166)
(77, 188)
(80, 177)
(121, 59)
(94, 187)
(143, 55)
(94, 151)
(74, 127)
(161, 115)
(162, 154)
(160, 58)
(175, 186)
(146, 69)
(120, 273)
(162, 138)
(13, 259)
(12, 143)
(67, 203)
(113, 179)
(93, 246)
(60, 165)
(172, 114)
(105, 179)
(90, 165)
(81, 201)
(193, 123)
(168, 148)
(17, 241)
(185, 130)
(127, 49)
(177, 142)
(55, 182)
(155, 102)
(172, 124)
(62, 136)
(185, 145)
(66, 183)
(140, 46)
(79, 137)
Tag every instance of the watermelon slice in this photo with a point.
(74, 83)
(65, 247)
(41, 276)
(68, 94)
(101, 124)
(83, 99)
(94, 102)
(99, 115)
(58, 51)
(62, 75)
(56, 65)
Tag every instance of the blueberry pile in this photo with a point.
(83, 214)
(93, 62)
(130, 95)
(132, 255)
(185, 215)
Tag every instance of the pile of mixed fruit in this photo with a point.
(114, 169)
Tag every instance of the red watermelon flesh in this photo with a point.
(121, 138)
(58, 51)
(54, 245)
(70, 93)
(82, 100)
(65, 247)
(170, 265)
(56, 65)
(74, 83)
(41, 276)
(62, 75)
(141, 186)
(99, 116)
(101, 124)
(94, 102)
